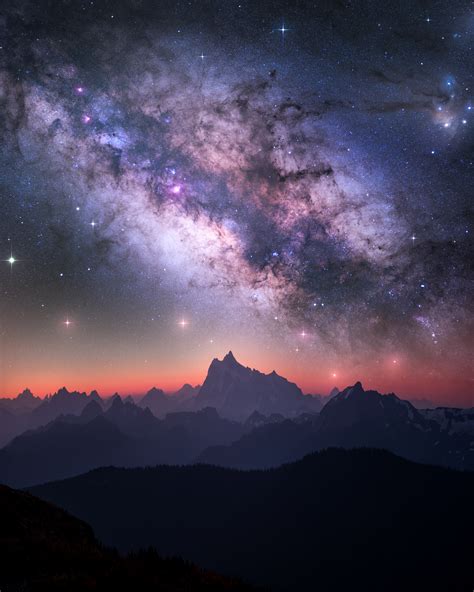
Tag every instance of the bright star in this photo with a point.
(67, 322)
(11, 260)
(183, 323)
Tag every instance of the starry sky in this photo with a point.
(289, 180)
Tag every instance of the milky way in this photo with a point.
(305, 191)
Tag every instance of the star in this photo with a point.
(183, 323)
(93, 224)
(67, 322)
(283, 29)
(11, 260)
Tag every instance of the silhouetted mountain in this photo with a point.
(236, 392)
(23, 403)
(158, 402)
(131, 419)
(44, 548)
(63, 449)
(337, 520)
(354, 418)
(61, 403)
(15, 415)
(186, 392)
(122, 435)
(109, 401)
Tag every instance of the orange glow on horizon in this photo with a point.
(386, 378)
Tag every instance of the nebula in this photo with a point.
(293, 196)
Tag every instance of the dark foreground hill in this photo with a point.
(43, 548)
(336, 520)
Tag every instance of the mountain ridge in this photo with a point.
(371, 510)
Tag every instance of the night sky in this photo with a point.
(289, 180)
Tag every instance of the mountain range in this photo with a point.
(336, 520)
(123, 434)
(357, 418)
(281, 426)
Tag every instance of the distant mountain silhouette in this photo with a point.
(22, 403)
(27, 412)
(337, 520)
(62, 402)
(122, 435)
(15, 415)
(63, 449)
(158, 403)
(186, 392)
(356, 418)
(236, 392)
(44, 548)
(185, 426)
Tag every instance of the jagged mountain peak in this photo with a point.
(26, 394)
(236, 391)
(153, 393)
(230, 358)
(228, 362)
(94, 396)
